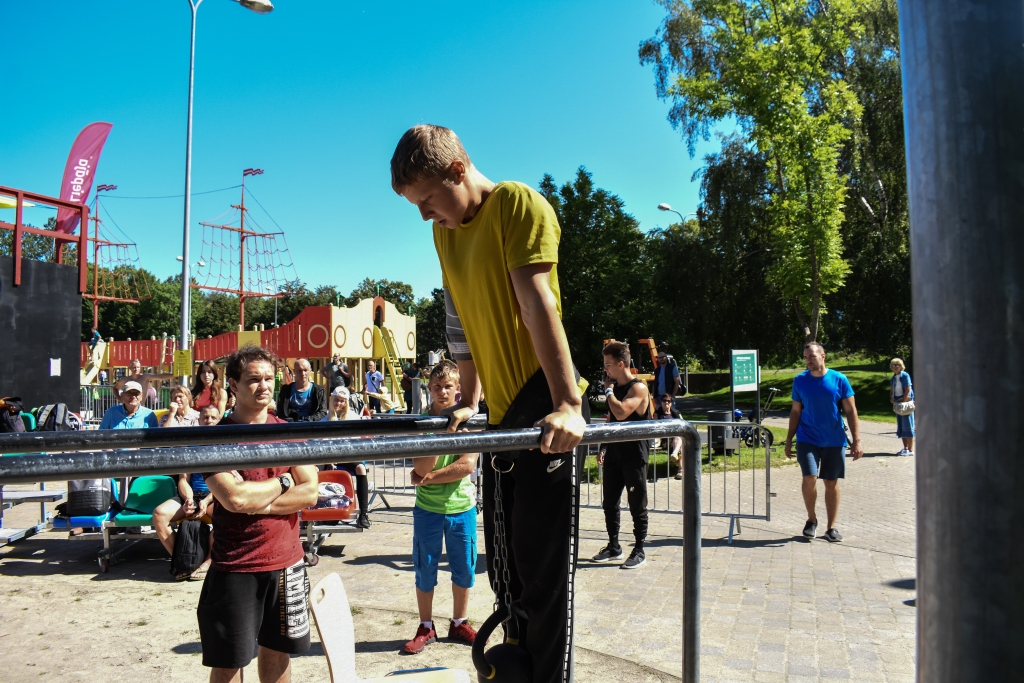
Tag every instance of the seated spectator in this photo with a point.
(131, 414)
(666, 410)
(445, 512)
(302, 400)
(148, 380)
(340, 409)
(180, 412)
(207, 387)
(194, 500)
(256, 591)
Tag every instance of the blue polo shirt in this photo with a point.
(117, 418)
(821, 423)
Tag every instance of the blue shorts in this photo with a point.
(823, 462)
(458, 532)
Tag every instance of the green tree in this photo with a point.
(430, 324)
(395, 291)
(602, 270)
(772, 68)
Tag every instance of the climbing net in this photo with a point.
(116, 273)
(268, 264)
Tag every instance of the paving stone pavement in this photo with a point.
(775, 607)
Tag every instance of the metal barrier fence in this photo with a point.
(97, 398)
(186, 451)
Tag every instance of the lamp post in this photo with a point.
(186, 270)
(668, 207)
(260, 7)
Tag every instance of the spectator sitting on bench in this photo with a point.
(180, 412)
(341, 409)
(194, 500)
(131, 414)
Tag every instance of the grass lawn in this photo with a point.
(870, 382)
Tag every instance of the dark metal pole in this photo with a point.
(691, 555)
(27, 469)
(57, 442)
(963, 75)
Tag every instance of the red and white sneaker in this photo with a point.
(463, 633)
(424, 636)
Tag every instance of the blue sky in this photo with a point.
(317, 94)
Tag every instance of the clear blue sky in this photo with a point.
(317, 93)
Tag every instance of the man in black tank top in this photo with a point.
(625, 464)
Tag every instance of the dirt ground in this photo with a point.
(61, 619)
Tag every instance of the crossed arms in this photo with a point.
(265, 497)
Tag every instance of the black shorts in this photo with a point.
(237, 610)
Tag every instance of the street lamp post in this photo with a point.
(667, 207)
(276, 295)
(187, 273)
(260, 7)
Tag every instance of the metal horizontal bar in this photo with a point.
(94, 440)
(28, 469)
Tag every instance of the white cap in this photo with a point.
(131, 386)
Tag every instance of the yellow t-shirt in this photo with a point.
(515, 227)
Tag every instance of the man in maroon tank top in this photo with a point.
(625, 464)
(256, 590)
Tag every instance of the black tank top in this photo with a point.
(629, 448)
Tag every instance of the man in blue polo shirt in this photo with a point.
(131, 414)
(816, 422)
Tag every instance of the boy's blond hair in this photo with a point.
(425, 151)
(446, 369)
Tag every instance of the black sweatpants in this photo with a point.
(541, 502)
(625, 471)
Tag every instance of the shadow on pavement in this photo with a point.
(906, 584)
(40, 556)
(403, 563)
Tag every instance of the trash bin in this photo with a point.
(718, 434)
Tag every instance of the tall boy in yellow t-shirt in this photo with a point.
(498, 248)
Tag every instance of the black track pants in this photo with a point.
(541, 504)
(625, 472)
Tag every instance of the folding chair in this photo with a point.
(319, 523)
(144, 495)
(333, 620)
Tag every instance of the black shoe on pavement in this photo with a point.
(833, 536)
(362, 521)
(636, 559)
(608, 553)
(810, 528)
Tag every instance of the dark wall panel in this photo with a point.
(41, 319)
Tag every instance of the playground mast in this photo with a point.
(243, 235)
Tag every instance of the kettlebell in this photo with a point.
(508, 662)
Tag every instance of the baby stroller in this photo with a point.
(756, 435)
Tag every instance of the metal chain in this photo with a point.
(501, 551)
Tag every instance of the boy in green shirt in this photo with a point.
(445, 511)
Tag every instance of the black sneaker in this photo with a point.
(810, 528)
(608, 553)
(635, 559)
(362, 521)
(833, 536)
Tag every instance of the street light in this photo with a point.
(187, 270)
(260, 7)
(668, 207)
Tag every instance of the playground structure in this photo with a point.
(373, 329)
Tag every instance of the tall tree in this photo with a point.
(601, 269)
(771, 68)
(395, 291)
(430, 324)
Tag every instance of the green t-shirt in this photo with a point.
(446, 499)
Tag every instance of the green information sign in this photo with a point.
(744, 370)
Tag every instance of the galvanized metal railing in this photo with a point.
(190, 449)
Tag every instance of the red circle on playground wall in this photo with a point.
(410, 341)
(367, 344)
(326, 337)
(344, 336)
